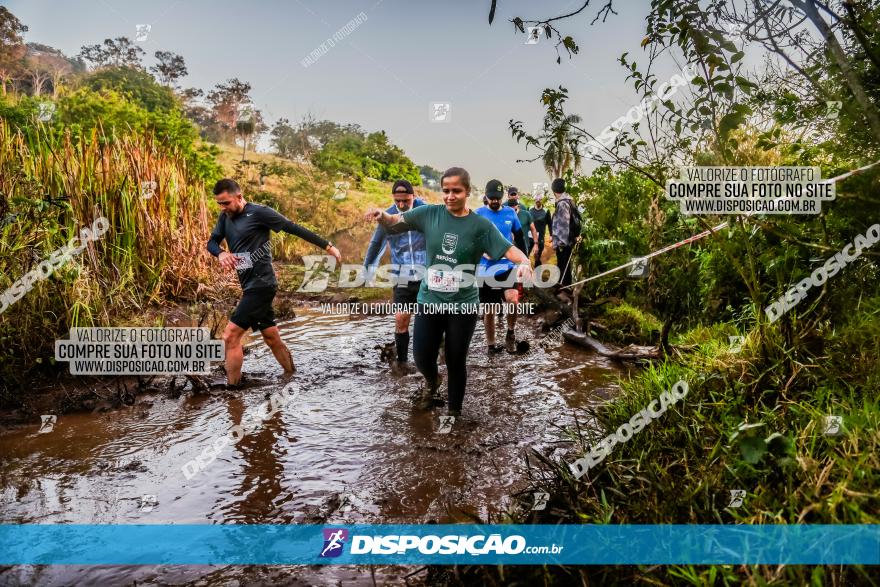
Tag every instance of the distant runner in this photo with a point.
(499, 285)
(456, 240)
(525, 219)
(542, 222)
(407, 252)
(245, 227)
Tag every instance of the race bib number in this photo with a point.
(243, 261)
(444, 281)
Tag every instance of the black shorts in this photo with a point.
(254, 310)
(490, 294)
(407, 294)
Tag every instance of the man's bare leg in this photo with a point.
(279, 349)
(232, 336)
(511, 296)
(489, 324)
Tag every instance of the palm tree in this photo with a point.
(560, 146)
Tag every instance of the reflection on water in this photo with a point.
(349, 448)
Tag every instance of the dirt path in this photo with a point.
(350, 448)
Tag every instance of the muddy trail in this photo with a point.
(350, 448)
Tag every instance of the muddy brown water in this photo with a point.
(351, 448)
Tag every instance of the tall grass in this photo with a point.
(153, 250)
(748, 423)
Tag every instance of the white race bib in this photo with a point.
(444, 281)
(243, 261)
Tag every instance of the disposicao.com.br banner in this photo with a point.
(439, 544)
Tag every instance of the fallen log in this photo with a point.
(628, 353)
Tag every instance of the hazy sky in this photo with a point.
(387, 72)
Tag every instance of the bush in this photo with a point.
(627, 324)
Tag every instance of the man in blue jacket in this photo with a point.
(407, 255)
(498, 278)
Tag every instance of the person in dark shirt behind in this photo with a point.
(542, 222)
(245, 226)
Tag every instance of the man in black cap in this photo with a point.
(408, 258)
(566, 229)
(497, 278)
(525, 220)
(245, 227)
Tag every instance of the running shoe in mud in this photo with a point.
(430, 395)
(246, 382)
(402, 368)
(510, 343)
(287, 375)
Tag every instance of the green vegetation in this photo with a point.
(344, 150)
(754, 418)
(79, 142)
(52, 183)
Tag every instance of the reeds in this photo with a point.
(56, 184)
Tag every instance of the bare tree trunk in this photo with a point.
(839, 56)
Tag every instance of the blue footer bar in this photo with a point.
(438, 544)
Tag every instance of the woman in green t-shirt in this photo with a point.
(456, 239)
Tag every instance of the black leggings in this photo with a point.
(427, 336)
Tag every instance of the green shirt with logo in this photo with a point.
(452, 241)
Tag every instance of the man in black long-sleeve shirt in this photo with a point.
(245, 227)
